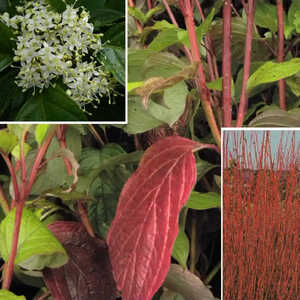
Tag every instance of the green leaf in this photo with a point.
(266, 16)
(293, 13)
(57, 5)
(181, 248)
(40, 132)
(37, 246)
(7, 295)
(164, 39)
(16, 152)
(140, 120)
(53, 104)
(137, 13)
(174, 98)
(275, 117)
(294, 84)
(272, 71)
(6, 40)
(5, 61)
(218, 85)
(115, 35)
(201, 201)
(133, 85)
(8, 141)
(114, 61)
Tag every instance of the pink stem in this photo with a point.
(247, 62)
(280, 53)
(226, 64)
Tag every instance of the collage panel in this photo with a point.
(261, 194)
(63, 61)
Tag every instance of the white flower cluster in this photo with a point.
(50, 44)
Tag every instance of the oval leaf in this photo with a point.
(203, 201)
(272, 71)
(37, 247)
(145, 227)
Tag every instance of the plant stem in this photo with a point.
(3, 201)
(13, 179)
(280, 53)
(149, 4)
(61, 135)
(187, 10)
(171, 15)
(9, 269)
(212, 274)
(85, 219)
(193, 252)
(23, 164)
(247, 62)
(38, 159)
(226, 64)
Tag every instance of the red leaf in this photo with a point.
(145, 227)
(88, 274)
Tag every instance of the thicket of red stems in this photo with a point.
(261, 201)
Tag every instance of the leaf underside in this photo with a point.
(145, 227)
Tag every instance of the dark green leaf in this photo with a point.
(115, 35)
(57, 5)
(114, 61)
(6, 40)
(5, 61)
(53, 104)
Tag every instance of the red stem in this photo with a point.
(13, 179)
(247, 62)
(4, 203)
(85, 219)
(149, 3)
(9, 269)
(23, 165)
(187, 10)
(171, 15)
(226, 64)
(61, 135)
(37, 162)
(280, 53)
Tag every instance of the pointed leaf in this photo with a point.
(40, 132)
(181, 248)
(88, 274)
(272, 71)
(16, 151)
(145, 227)
(37, 247)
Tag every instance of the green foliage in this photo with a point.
(8, 141)
(201, 201)
(53, 104)
(271, 71)
(7, 295)
(38, 248)
(181, 248)
(266, 15)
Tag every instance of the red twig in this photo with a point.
(149, 4)
(85, 219)
(13, 179)
(23, 165)
(4, 203)
(226, 64)
(37, 162)
(171, 15)
(9, 268)
(61, 136)
(187, 10)
(247, 62)
(280, 51)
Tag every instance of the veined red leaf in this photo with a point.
(88, 274)
(145, 227)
